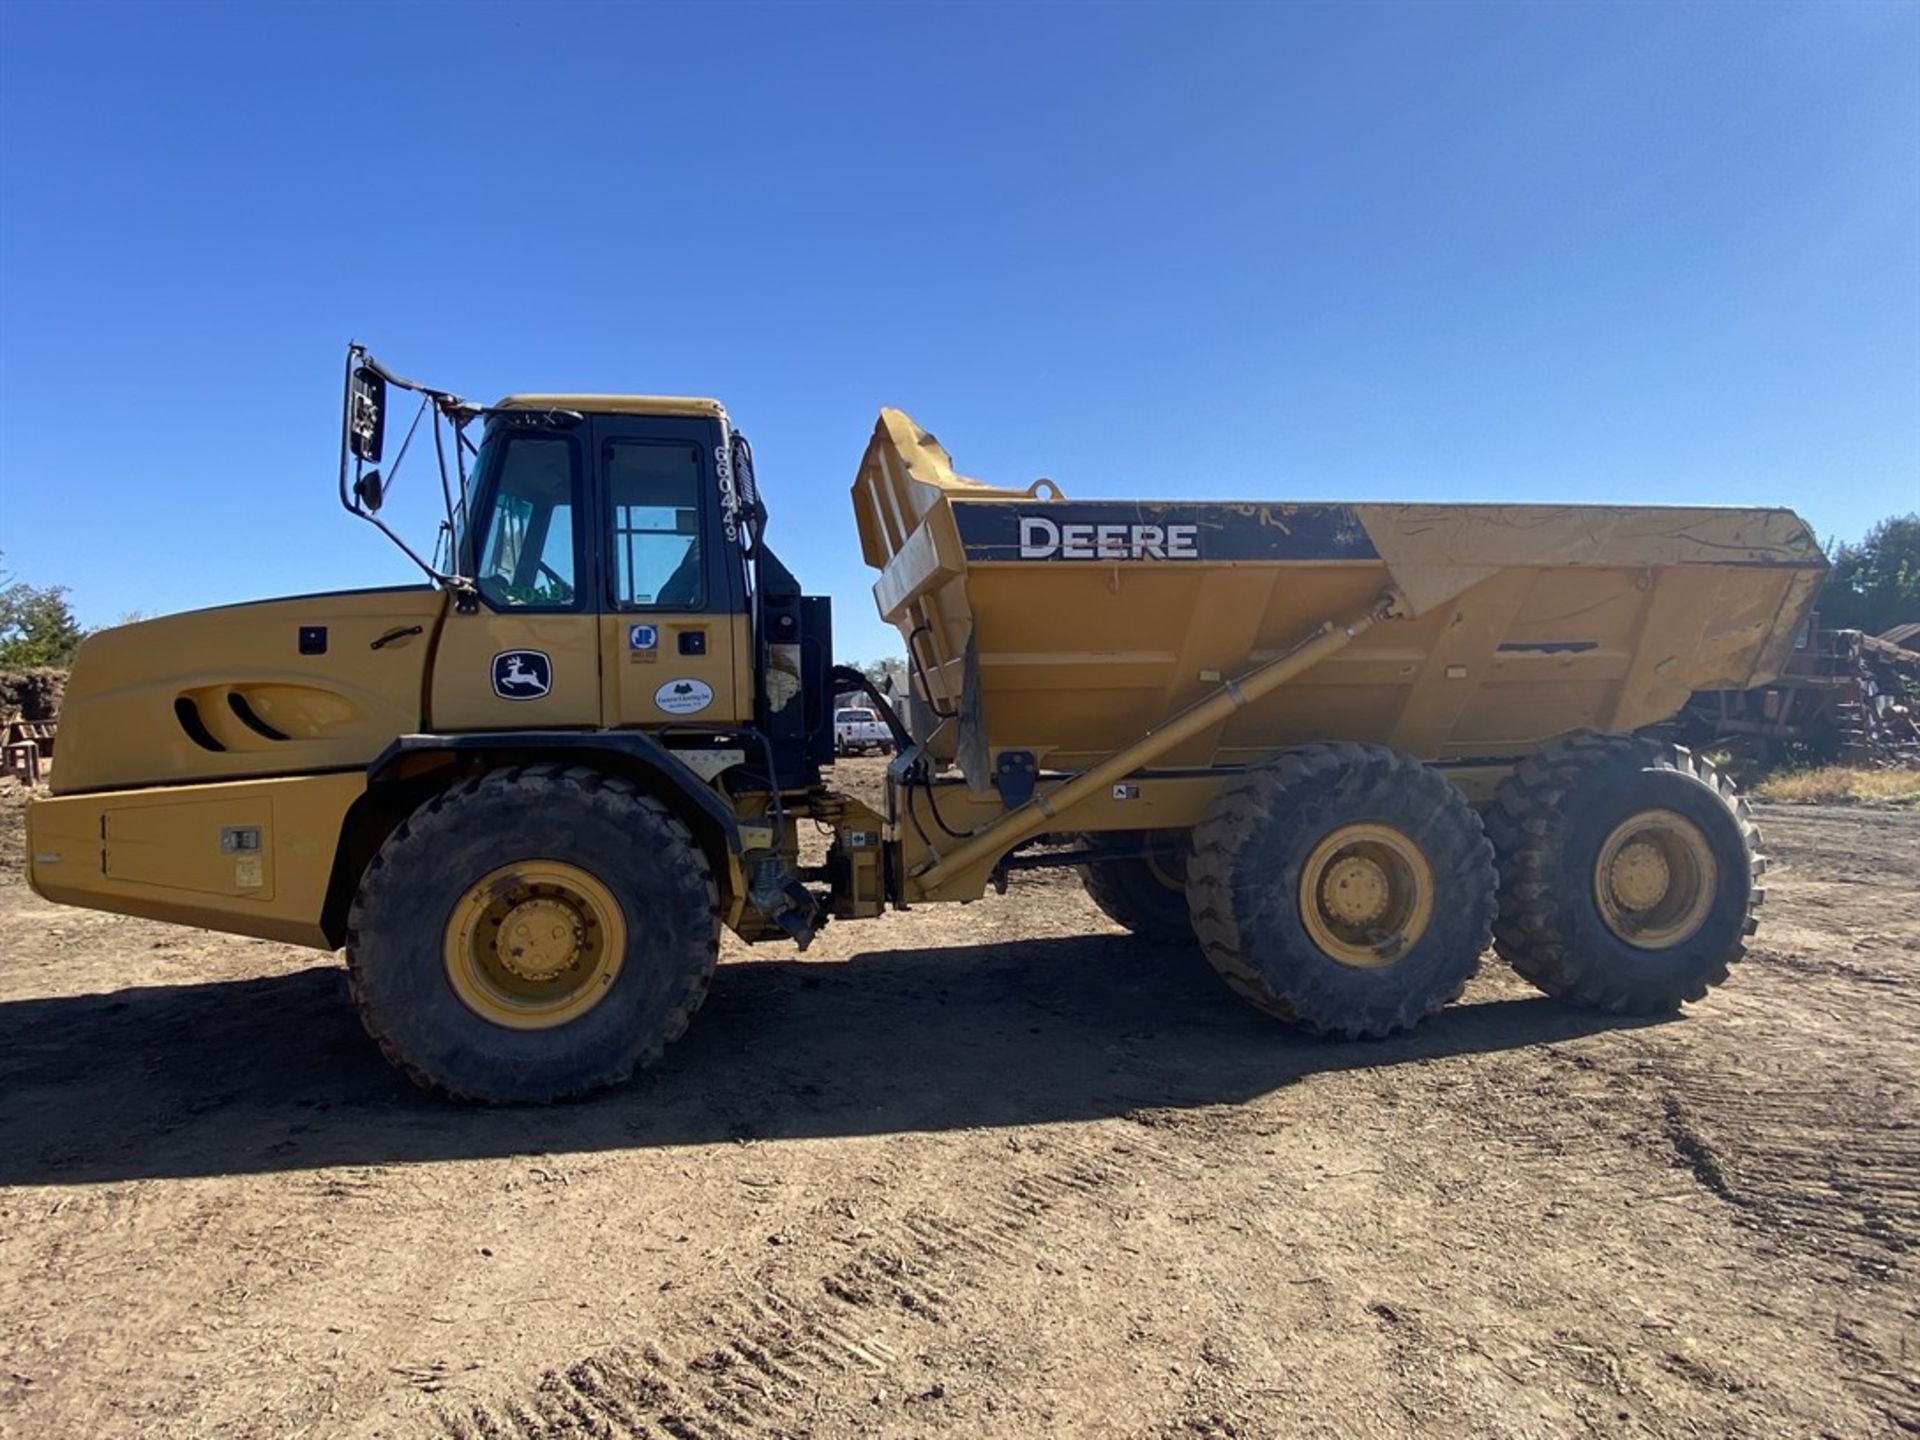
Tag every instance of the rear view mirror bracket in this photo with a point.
(363, 489)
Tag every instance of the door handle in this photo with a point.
(393, 635)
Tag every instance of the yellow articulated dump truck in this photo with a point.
(1339, 749)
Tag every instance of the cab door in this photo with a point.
(674, 632)
(527, 656)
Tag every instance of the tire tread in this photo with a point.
(653, 827)
(1526, 824)
(1256, 795)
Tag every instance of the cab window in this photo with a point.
(653, 489)
(526, 556)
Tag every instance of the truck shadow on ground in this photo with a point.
(275, 1074)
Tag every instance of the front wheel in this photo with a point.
(532, 934)
(1627, 872)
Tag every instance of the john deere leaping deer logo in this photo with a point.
(522, 674)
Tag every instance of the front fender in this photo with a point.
(629, 751)
(631, 754)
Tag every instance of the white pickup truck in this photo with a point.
(856, 730)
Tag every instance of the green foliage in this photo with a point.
(1875, 584)
(37, 626)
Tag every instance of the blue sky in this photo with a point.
(1439, 251)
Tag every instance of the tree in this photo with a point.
(1876, 584)
(877, 670)
(37, 626)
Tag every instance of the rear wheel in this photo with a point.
(1346, 888)
(533, 933)
(1146, 893)
(1627, 872)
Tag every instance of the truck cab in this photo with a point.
(609, 588)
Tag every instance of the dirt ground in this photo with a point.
(993, 1171)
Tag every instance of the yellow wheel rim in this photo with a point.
(1366, 895)
(534, 944)
(1655, 879)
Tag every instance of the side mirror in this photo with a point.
(366, 415)
(369, 489)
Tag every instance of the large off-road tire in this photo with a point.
(532, 934)
(1627, 873)
(1145, 893)
(1346, 888)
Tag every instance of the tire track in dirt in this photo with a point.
(774, 1347)
(1827, 1171)
(1822, 1164)
(1827, 1165)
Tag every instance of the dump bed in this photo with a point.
(1069, 628)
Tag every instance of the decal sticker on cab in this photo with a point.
(683, 697)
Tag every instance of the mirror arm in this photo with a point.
(458, 411)
(460, 585)
(445, 399)
(393, 471)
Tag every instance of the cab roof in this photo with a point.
(619, 404)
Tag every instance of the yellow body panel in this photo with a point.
(463, 696)
(1514, 624)
(633, 679)
(252, 857)
(164, 701)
